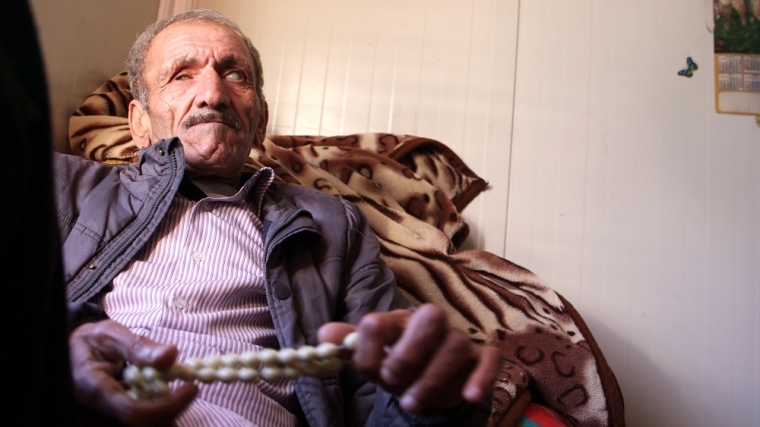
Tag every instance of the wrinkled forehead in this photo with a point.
(196, 38)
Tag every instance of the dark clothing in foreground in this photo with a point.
(34, 317)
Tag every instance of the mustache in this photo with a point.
(213, 117)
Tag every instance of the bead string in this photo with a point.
(145, 382)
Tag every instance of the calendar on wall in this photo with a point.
(737, 56)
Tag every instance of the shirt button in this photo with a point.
(198, 256)
(180, 303)
(281, 291)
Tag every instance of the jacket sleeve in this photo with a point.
(371, 287)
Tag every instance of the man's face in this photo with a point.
(201, 88)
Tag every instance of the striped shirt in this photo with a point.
(198, 283)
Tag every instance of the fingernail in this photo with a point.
(387, 376)
(473, 394)
(157, 352)
(409, 403)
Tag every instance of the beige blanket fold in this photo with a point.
(412, 190)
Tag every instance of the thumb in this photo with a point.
(111, 337)
(144, 351)
(334, 332)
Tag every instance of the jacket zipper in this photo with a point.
(90, 283)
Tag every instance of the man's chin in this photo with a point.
(200, 164)
(207, 135)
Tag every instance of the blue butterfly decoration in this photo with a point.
(691, 67)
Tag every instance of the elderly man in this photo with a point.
(182, 253)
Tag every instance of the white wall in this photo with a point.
(84, 43)
(640, 204)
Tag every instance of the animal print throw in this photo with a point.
(412, 190)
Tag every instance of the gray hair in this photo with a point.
(136, 56)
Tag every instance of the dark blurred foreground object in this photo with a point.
(33, 316)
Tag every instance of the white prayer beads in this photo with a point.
(145, 382)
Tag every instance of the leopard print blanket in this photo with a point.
(412, 190)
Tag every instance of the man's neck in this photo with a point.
(215, 188)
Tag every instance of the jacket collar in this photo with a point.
(282, 218)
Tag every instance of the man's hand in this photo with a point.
(98, 353)
(419, 357)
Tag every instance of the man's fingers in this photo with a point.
(114, 341)
(145, 351)
(424, 333)
(98, 352)
(334, 332)
(441, 382)
(480, 383)
(97, 388)
(162, 411)
(377, 332)
(418, 356)
(157, 411)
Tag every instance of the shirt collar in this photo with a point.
(254, 187)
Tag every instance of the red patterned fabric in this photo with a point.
(536, 415)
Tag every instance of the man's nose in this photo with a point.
(212, 93)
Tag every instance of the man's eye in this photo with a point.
(181, 77)
(234, 75)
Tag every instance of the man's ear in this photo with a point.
(139, 124)
(261, 129)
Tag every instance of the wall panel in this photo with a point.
(84, 43)
(442, 69)
(633, 198)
